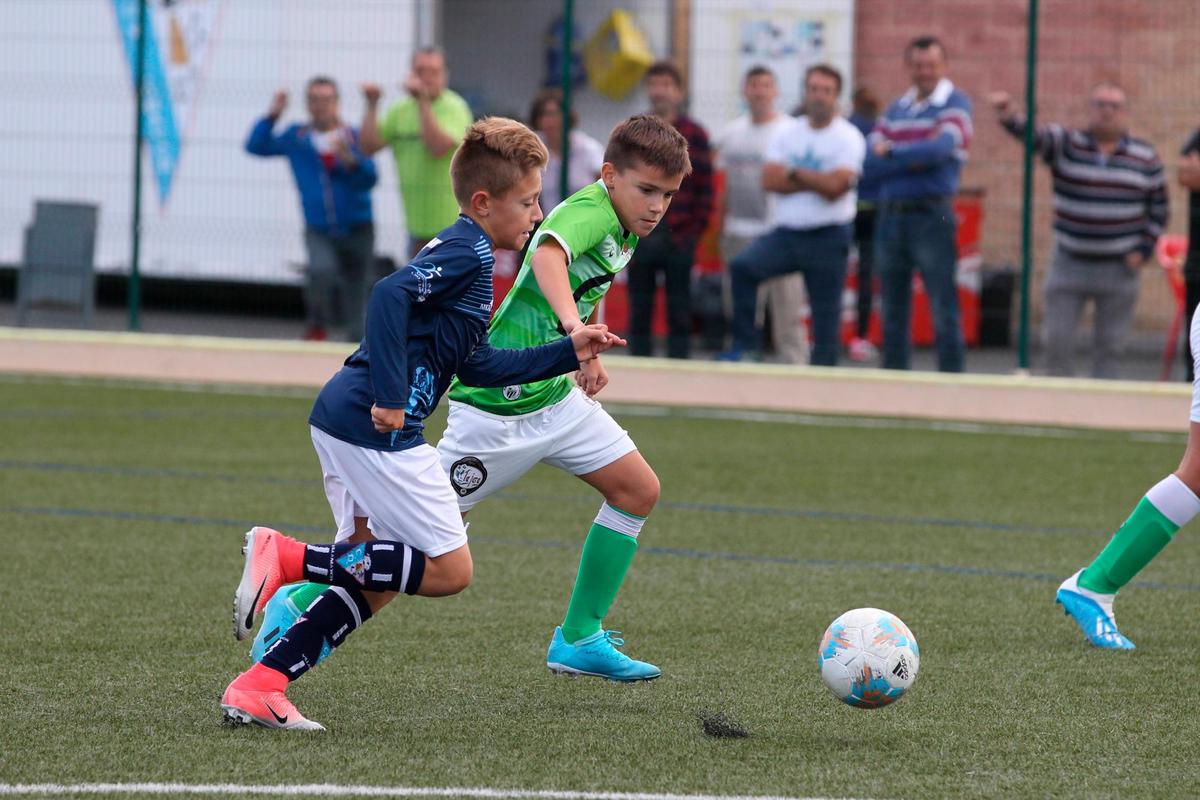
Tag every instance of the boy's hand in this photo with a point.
(387, 420)
(591, 377)
(592, 340)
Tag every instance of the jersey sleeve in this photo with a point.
(577, 226)
(439, 277)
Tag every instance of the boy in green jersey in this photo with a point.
(494, 436)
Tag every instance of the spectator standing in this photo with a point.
(1110, 207)
(334, 178)
(812, 164)
(916, 151)
(866, 112)
(1189, 178)
(585, 157)
(423, 130)
(671, 247)
(747, 210)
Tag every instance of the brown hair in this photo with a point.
(664, 68)
(649, 141)
(544, 98)
(495, 154)
(828, 70)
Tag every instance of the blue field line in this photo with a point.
(677, 552)
(707, 508)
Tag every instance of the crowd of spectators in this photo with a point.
(808, 199)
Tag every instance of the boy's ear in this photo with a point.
(608, 173)
(481, 203)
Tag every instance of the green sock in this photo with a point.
(602, 567)
(304, 593)
(1133, 546)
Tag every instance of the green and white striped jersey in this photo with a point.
(597, 248)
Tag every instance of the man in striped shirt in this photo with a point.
(917, 150)
(1110, 206)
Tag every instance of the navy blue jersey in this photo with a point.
(427, 322)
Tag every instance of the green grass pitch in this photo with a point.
(122, 509)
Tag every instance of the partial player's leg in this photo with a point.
(406, 498)
(601, 453)
(1088, 595)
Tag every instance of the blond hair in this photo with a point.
(649, 141)
(495, 155)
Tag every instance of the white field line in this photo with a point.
(334, 790)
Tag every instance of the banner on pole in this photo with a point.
(179, 41)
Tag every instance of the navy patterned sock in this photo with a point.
(335, 614)
(369, 566)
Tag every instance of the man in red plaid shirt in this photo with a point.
(670, 248)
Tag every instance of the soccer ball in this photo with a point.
(868, 658)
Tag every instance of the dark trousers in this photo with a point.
(339, 276)
(1191, 278)
(864, 242)
(655, 254)
(919, 235)
(820, 255)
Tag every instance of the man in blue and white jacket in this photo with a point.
(335, 179)
(917, 150)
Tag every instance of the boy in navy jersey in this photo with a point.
(425, 324)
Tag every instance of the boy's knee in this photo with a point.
(640, 498)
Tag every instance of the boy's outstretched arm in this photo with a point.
(493, 367)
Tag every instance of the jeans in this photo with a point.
(919, 234)
(820, 255)
(339, 277)
(656, 253)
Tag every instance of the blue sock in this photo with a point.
(366, 566)
(335, 614)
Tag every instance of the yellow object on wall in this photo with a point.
(616, 56)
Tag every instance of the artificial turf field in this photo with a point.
(123, 506)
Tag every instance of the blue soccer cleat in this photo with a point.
(279, 615)
(597, 655)
(1093, 614)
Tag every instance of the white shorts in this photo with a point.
(483, 453)
(1194, 339)
(404, 495)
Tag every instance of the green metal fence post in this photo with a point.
(134, 294)
(1027, 184)
(568, 32)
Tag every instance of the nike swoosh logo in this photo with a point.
(279, 719)
(253, 605)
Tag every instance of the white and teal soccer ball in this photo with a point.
(868, 658)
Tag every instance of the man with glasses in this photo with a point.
(1110, 206)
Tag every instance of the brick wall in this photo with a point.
(1151, 48)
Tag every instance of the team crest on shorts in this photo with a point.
(512, 392)
(467, 475)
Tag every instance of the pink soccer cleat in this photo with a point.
(248, 701)
(272, 560)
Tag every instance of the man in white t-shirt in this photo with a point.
(747, 208)
(812, 165)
